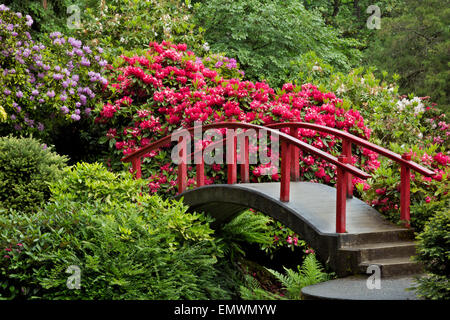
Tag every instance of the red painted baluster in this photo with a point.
(136, 163)
(295, 161)
(285, 171)
(245, 176)
(405, 186)
(182, 169)
(341, 196)
(201, 173)
(347, 152)
(232, 159)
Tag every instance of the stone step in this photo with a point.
(355, 288)
(393, 266)
(393, 235)
(383, 250)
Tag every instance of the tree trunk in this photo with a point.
(336, 5)
(44, 4)
(357, 9)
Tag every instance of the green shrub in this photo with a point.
(311, 272)
(434, 252)
(26, 168)
(392, 118)
(434, 287)
(128, 244)
(434, 244)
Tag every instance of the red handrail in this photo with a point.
(236, 125)
(358, 141)
(347, 139)
(290, 145)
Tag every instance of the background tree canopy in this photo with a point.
(266, 35)
(416, 45)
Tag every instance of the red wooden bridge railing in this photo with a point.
(290, 146)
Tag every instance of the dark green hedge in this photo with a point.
(26, 168)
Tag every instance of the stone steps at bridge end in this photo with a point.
(391, 250)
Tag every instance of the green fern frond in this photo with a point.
(253, 291)
(311, 272)
(249, 227)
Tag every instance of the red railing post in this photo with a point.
(182, 168)
(136, 164)
(245, 165)
(200, 173)
(405, 186)
(295, 161)
(285, 182)
(232, 158)
(341, 196)
(347, 152)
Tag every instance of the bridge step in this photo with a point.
(394, 266)
(383, 250)
(400, 234)
(393, 257)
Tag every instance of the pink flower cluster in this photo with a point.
(168, 88)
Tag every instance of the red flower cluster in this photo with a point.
(169, 87)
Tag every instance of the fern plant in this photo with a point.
(311, 272)
(245, 228)
(253, 291)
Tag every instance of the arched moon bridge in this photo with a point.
(345, 232)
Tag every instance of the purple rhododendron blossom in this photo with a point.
(65, 110)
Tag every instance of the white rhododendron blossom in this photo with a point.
(416, 103)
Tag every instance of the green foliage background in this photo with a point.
(266, 35)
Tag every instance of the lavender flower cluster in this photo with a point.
(40, 82)
(227, 66)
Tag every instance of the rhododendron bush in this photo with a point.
(169, 87)
(45, 83)
(428, 194)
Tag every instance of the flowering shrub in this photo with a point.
(401, 123)
(283, 237)
(44, 83)
(391, 117)
(428, 195)
(153, 94)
